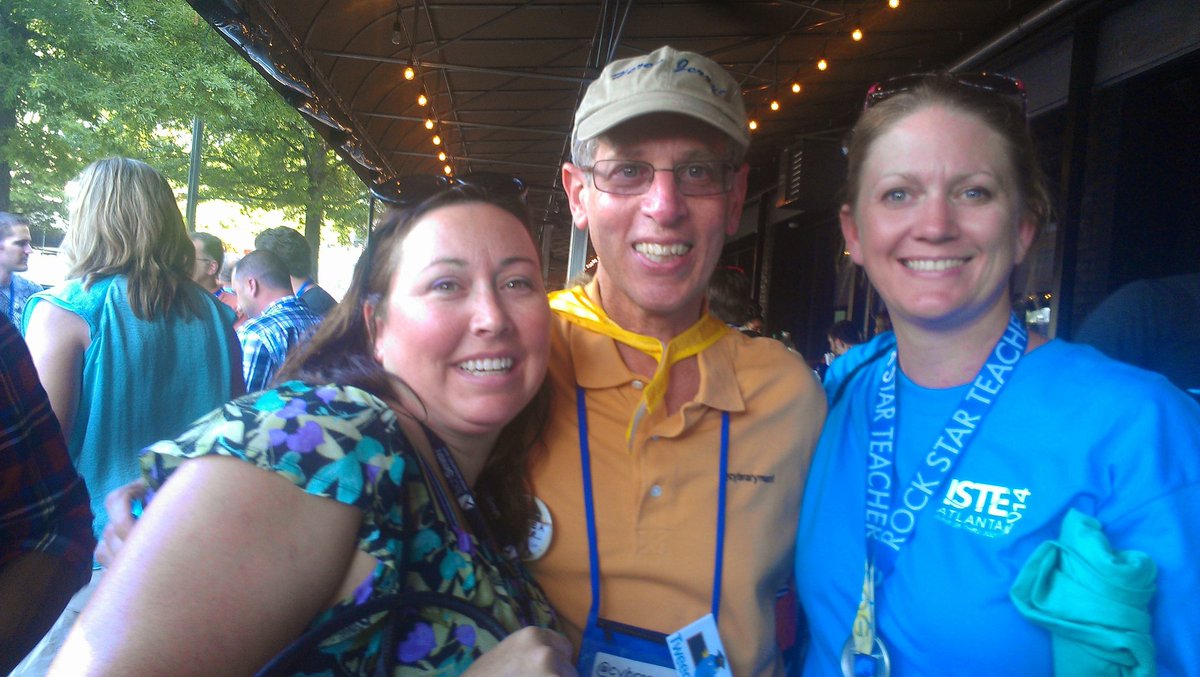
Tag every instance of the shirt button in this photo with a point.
(637, 385)
(656, 491)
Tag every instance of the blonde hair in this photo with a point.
(1004, 116)
(124, 221)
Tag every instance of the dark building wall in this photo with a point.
(803, 257)
(1139, 216)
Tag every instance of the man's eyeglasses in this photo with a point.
(993, 83)
(632, 177)
(409, 191)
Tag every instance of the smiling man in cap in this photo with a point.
(677, 449)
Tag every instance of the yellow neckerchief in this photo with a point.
(574, 306)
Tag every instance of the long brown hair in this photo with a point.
(342, 352)
(124, 221)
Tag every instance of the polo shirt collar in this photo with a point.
(597, 364)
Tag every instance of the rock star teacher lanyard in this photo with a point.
(888, 527)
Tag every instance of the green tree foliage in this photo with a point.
(84, 79)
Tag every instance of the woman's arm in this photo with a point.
(228, 564)
(57, 339)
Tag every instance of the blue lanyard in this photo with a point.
(893, 526)
(585, 459)
(304, 287)
(466, 502)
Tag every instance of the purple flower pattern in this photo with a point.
(308, 437)
(292, 421)
(465, 635)
(417, 645)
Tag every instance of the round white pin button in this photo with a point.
(541, 533)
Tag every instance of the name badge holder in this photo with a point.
(864, 654)
(610, 647)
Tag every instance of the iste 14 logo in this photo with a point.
(986, 509)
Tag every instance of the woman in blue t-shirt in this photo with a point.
(973, 480)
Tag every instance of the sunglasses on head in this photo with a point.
(992, 83)
(409, 191)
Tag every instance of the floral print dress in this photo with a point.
(346, 444)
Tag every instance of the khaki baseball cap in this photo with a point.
(663, 81)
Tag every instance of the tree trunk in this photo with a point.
(14, 72)
(316, 163)
(8, 125)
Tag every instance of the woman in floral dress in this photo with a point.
(375, 498)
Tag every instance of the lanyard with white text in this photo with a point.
(589, 506)
(888, 527)
(466, 501)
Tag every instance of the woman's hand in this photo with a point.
(121, 520)
(529, 651)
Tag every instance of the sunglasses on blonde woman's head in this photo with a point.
(992, 83)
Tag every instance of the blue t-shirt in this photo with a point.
(1072, 429)
(142, 380)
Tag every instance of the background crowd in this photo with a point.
(445, 473)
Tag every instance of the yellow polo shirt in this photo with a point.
(656, 505)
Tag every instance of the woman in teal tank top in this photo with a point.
(130, 349)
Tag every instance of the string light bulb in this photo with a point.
(822, 65)
(894, 4)
(422, 100)
(441, 156)
(856, 35)
(447, 170)
(397, 34)
(409, 71)
(774, 104)
(428, 123)
(437, 140)
(753, 124)
(796, 88)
